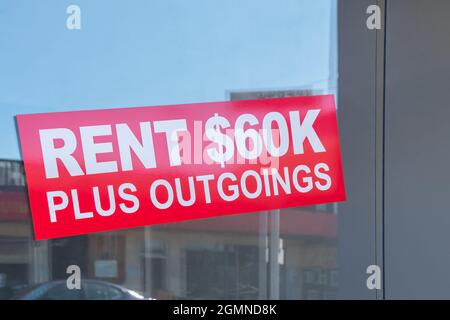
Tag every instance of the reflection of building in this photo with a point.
(22, 262)
(208, 258)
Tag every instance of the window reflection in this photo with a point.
(220, 258)
(290, 254)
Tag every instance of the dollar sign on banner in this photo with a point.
(220, 146)
(225, 145)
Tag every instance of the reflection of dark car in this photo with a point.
(90, 290)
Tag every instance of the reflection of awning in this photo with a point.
(293, 222)
(14, 206)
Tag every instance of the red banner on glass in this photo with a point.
(99, 170)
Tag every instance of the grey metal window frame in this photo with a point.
(361, 88)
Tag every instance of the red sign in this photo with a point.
(99, 170)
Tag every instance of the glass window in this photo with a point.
(114, 293)
(96, 291)
(155, 53)
(61, 292)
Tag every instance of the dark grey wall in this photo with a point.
(357, 53)
(417, 162)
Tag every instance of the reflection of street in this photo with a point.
(221, 258)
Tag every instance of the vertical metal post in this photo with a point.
(274, 248)
(379, 145)
(263, 256)
(147, 262)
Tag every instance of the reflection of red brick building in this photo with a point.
(194, 259)
(294, 222)
(14, 206)
(107, 250)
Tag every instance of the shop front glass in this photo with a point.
(156, 53)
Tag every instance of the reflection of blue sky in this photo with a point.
(131, 53)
